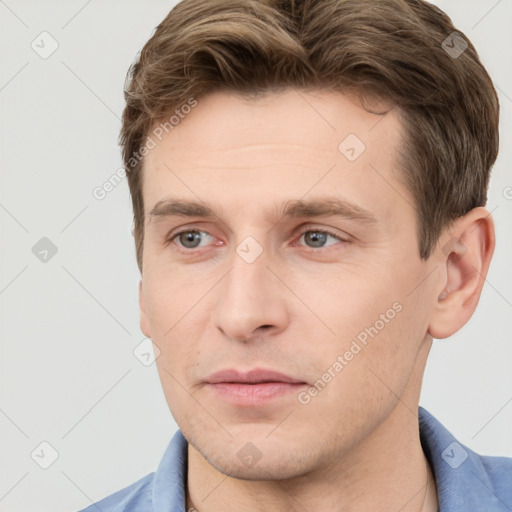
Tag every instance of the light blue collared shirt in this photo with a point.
(466, 481)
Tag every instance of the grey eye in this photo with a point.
(317, 238)
(190, 239)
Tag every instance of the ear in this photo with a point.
(465, 254)
(144, 321)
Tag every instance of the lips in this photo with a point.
(257, 387)
(251, 377)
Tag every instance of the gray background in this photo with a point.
(69, 326)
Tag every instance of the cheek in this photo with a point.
(178, 353)
(169, 298)
(350, 302)
(372, 325)
(175, 313)
(170, 379)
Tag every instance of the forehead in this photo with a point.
(284, 143)
(317, 118)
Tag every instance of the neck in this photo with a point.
(388, 471)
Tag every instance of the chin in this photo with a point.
(249, 463)
(268, 470)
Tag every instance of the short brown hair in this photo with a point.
(397, 50)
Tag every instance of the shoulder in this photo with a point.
(499, 472)
(465, 479)
(137, 496)
(160, 490)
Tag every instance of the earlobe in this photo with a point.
(465, 254)
(144, 321)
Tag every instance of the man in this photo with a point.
(309, 184)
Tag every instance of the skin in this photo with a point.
(298, 306)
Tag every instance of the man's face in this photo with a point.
(339, 303)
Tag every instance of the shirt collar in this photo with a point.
(170, 479)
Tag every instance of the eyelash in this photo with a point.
(309, 229)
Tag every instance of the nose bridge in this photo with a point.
(249, 297)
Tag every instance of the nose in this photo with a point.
(251, 300)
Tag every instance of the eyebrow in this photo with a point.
(329, 206)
